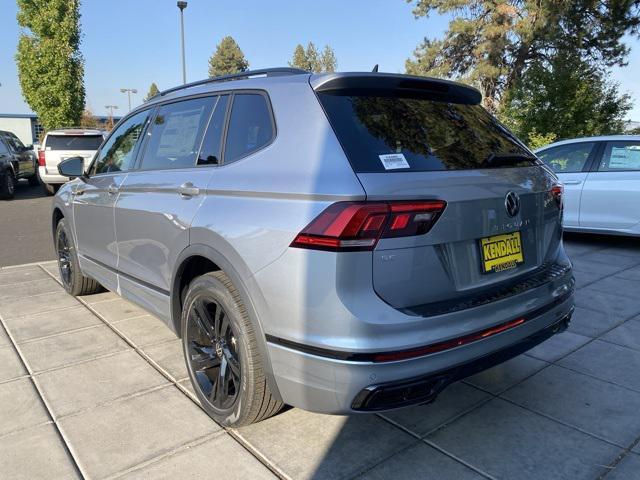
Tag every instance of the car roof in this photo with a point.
(76, 131)
(602, 138)
(370, 81)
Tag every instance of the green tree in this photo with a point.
(88, 120)
(328, 62)
(153, 91)
(313, 61)
(565, 97)
(299, 59)
(491, 43)
(50, 65)
(227, 59)
(313, 57)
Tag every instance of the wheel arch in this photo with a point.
(207, 259)
(56, 216)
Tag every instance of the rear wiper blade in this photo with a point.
(508, 159)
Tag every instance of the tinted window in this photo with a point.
(380, 133)
(3, 148)
(73, 142)
(176, 133)
(567, 158)
(212, 143)
(250, 126)
(14, 143)
(118, 153)
(621, 156)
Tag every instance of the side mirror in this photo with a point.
(28, 147)
(71, 167)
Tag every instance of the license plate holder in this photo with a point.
(501, 252)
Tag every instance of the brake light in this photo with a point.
(41, 158)
(556, 192)
(350, 226)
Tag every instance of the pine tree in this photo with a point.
(227, 59)
(313, 58)
(50, 65)
(153, 91)
(492, 43)
(312, 61)
(328, 62)
(299, 59)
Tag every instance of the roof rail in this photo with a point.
(267, 72)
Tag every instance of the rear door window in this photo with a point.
(3, 148)
(73, 142)
(569, 158)
(176, 133)
(210, 153)
(391, 133)
(620, 157)
(250, 126)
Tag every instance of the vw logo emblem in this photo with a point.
(512, 204)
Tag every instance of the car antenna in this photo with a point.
(375, 69)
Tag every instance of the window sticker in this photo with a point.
(623, 158)
(393, 161)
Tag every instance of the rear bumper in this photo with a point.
(425, 389)
(51, 176)
(331, 385)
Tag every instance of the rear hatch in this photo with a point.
(502, 221)
(59, 146)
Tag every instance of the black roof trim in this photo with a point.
(371, 83)
(266, 72)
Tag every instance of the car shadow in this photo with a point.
(25, 191)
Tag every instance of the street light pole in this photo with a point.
(182, 6)
(129, 91)
(111, 109)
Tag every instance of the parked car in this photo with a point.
(601, 177)
(347, 242)
(16, 161)
(61, 144)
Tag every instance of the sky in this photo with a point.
(131, 43)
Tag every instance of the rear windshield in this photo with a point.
(73, 142)
(385, 133)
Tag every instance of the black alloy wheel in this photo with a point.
(212, 352)
(64, 258)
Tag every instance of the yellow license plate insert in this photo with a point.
(502, 252)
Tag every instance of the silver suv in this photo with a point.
(346, 242)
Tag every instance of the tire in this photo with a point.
(49, 189)
(7, 185)
(34, 180)
(209, 347)
(73, 281)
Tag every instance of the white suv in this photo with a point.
(61, 144)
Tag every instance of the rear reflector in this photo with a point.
(448, 344)
(352, 226)
(41, 162)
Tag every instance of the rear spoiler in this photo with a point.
(386, 84)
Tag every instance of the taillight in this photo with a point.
(556, 192)
(350, 226)
(41, 158)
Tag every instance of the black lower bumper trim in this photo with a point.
(425, 389)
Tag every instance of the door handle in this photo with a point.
(188, 190)
(572, 182)
(113, 189)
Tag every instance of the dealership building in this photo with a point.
(27, 127)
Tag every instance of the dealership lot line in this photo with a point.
(99, 387)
